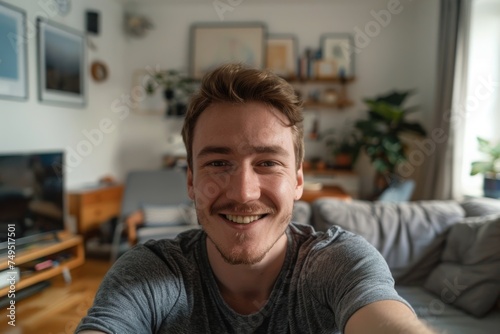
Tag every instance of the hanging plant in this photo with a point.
(176, 87)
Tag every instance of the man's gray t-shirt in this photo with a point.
(167, 286)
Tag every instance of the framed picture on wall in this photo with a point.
(215, 44)
(281, 55)
(339, 48)
(13, 65)
(61, 64)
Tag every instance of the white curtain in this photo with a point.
(442, 171)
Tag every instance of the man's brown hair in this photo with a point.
(235, 83)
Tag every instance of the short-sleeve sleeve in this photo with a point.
(135, 296)
(347, 273)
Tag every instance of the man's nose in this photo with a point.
(244, 185)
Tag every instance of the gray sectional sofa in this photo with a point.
(444, 255)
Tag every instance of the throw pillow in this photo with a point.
(469, 274)
(409, 235)
(483, 206)
(301, 212)
(169, 215)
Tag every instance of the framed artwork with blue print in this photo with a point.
(13, 64)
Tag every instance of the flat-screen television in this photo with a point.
(32, 196)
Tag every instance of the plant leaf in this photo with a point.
(394, 98)
(481, 167)
(388, 111)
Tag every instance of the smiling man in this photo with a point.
(249, 269)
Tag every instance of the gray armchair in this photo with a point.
(155, 205)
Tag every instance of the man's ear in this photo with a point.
(190, 186)
(299, 188)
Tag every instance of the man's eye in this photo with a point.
(218, 164)
(268, 164)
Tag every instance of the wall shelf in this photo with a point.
(324, 94)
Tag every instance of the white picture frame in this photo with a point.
(61, 64)
(340, 49)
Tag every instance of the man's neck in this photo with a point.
(246, 288)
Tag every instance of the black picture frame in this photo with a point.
(339, 49)
(13, 53)
(213, 44)
(61, 64)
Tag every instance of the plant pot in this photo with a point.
(343, 161)
(321, 165)
(168, 94)
(491, 185)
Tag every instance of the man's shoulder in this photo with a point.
(333, 246)
(334, 237)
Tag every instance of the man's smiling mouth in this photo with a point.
(243, 219)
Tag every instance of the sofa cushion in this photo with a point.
(445, 318)
(169, 215)
(469, 276)
(482, 206)
(301, 212)
(409, 235)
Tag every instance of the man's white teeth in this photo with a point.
(242, 219)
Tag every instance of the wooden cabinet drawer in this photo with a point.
(103, 195)
(93, 207)
(99, 212)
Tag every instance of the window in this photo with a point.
(481, 113)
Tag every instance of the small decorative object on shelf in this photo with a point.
(330, 96)
(176, 90)
(324, 94)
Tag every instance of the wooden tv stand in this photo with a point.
(67, 243)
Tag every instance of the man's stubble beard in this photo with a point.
(237, 259)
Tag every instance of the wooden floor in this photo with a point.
(58, 308)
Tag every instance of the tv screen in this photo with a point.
(31, 195)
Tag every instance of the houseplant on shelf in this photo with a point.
(489, 168)
(344, 148)
(380, 136)
(176, 90)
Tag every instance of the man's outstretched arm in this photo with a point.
(387, 317)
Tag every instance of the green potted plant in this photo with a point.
(489, 168)
(380, 136)
(176, 90)
(344, 148)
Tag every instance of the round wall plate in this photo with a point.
(99, 71)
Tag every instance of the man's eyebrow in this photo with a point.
(214, 150)
(246, 149)
(274, 149)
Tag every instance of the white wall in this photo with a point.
(400, 55)
(31, 126)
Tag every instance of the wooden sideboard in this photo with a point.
(327, 191)
(331, 179)
(94, 206)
